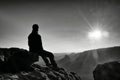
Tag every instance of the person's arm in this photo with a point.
(28, 40)
(40, 42)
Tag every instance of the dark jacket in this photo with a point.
(35, 42)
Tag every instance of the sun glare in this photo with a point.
(97, 34)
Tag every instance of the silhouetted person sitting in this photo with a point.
(35, 46)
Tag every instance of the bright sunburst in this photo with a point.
(97, 34)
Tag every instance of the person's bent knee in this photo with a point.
(50, 54)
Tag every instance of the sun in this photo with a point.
(96, 34)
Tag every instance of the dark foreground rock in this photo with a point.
(15, 60)
(18, 64)
(41, 73)
(107, 71)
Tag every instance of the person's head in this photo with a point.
(35, 27)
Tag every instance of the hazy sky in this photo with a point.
(64, 25)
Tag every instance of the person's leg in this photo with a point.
(51, 57)
(43, 55)
(46, 60)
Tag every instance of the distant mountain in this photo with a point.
(59, 56)
(109, 54)
(85, 62)
(66, 61)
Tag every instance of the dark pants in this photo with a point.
(48, 58)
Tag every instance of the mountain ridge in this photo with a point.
(85, 62)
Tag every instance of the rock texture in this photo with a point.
(41, 73)
(107, 71)
(15, 60)
(18, 64)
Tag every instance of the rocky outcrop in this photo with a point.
(41, 73)
(107, 71)
(15, 60)
(18, 64)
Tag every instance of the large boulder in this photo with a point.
(16, 60)
(107, 71)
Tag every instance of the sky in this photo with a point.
(64, 24)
